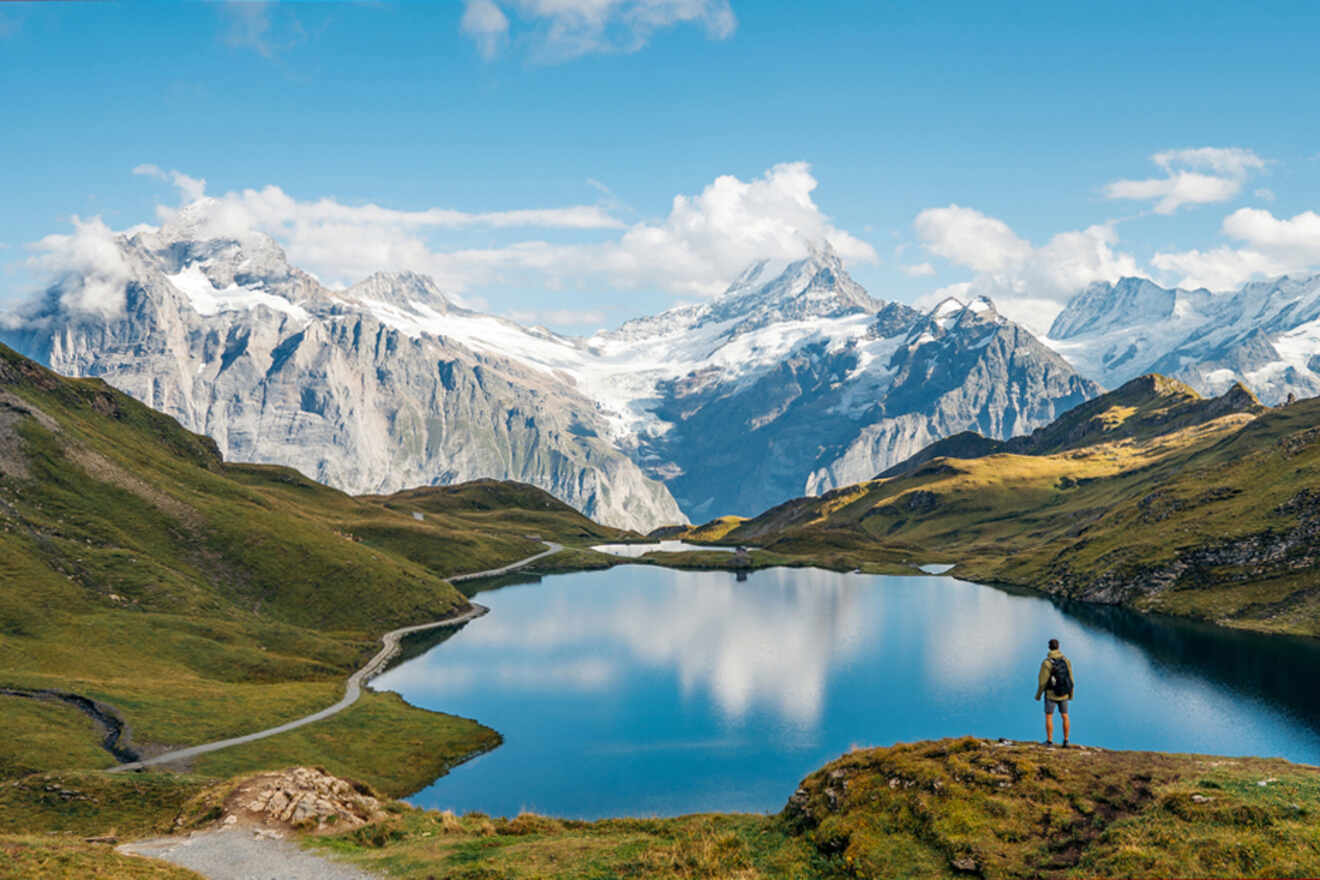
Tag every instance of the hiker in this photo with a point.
(1056, 683)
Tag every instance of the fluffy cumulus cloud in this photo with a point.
(704, 241)
(1270, 246)
(1028, 283)
(557, 30)
(88, 270)
(1197, 176)
(708, 238)
(970, 238)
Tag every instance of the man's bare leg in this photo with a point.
(1067, 728)
(1049, 727)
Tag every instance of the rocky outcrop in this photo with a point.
(302, 798)
(1243, 559)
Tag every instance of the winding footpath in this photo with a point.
(353, 689)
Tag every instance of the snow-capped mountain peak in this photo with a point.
(402, 289)
(793, 381)
(816, 286)
(1265, 335)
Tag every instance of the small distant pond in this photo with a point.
(632, 551)
(644, 691)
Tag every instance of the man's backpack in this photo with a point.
(1060, 678)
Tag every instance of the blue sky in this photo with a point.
(529, 152)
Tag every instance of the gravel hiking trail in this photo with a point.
(353, 689)
(241, 854)
(247, 854)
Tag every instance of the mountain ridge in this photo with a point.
(1264, 335)
(389, 384)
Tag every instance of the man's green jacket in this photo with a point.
(1043, 680)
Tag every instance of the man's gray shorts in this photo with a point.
(1050, 704)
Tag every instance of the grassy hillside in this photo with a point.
(1149, 496)
(1147, 407)
(203, 599)
(963, 807)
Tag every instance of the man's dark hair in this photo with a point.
(1054, 644)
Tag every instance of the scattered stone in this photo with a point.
(1201, 799)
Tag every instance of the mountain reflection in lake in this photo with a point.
(641, 690)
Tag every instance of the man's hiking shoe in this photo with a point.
(1049, 743)
(1064, 745)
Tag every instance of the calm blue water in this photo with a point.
(644, 691)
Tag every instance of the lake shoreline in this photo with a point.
(1152, 641)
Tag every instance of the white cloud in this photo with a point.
(271, 208)
(1265, 194)
(486, 25)
(703, 243)
(88, 270)
(962, 291)
(920, 270)
(1029, 284)
(1271, 246)
(707, 239)
(970, 238)
(1233, 161)
(558, 30)
(1198, 176)
(190, 188)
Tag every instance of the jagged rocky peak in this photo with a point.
(406, 289)
(217, 265)
(816, 286)
(1265, 335)
(767, 292)
(199, 233)
(952, 314)
(1102, 305)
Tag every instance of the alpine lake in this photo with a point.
(645, 691)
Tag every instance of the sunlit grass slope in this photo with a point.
(205, 599)
(962, 807)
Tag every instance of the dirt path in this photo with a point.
(353, 689)
(241, 854)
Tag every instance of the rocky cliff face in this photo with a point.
(224, 336)
(840, 407)
(1266, 335)
(794, 381)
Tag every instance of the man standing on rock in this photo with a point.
(1056, 683)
